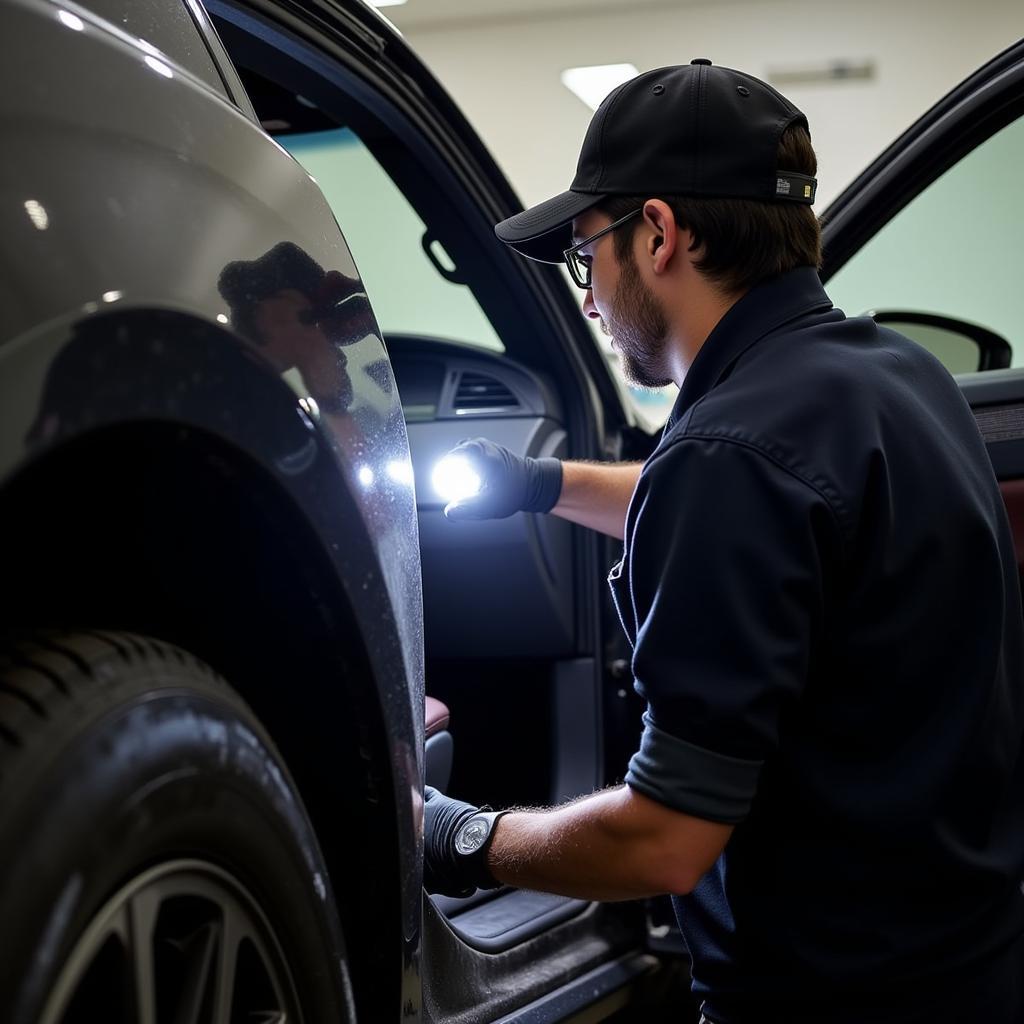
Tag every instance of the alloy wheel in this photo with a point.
(182, 943)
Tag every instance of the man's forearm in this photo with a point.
(597, 494)
(614, 845)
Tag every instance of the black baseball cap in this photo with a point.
(689, 130)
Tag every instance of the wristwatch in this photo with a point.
(472, 841)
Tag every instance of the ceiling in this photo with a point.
(428, 15)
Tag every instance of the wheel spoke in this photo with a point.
(203, 949)
(279, 1015)
(141, 918)
(232, 931)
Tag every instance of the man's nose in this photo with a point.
(589, 309)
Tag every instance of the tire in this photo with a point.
(157, 862)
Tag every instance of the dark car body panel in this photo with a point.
(133, 185)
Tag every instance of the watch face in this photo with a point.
(472, 835)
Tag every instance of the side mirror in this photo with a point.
(960, 346)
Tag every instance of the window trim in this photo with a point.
(228, 75)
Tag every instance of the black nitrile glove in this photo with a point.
(508, 482)
(445, 869)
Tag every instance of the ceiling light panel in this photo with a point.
(593, 83)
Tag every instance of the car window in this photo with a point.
(409, 291)
(953, 251)
(168, 27)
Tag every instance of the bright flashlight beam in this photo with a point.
(454, 478)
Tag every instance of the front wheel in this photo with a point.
(157, 861)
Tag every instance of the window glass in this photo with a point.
(167, 26)
(954, 250)
(409, 293)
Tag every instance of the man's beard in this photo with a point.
(638, 325)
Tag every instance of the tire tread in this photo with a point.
(23, 693)
(70, 699)
(42, 672)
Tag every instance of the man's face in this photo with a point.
(289, 338)
(284, 331)
(628, 311)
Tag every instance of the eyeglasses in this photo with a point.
(574, 260)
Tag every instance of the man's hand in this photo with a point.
(508, 482)
(445, 870)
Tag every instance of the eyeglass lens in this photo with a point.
(580, 270)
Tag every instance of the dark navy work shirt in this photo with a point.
(820, 589)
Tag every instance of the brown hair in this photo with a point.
(745, 241)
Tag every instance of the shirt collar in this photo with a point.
(762, 310)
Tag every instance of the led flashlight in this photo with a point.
(455, 479)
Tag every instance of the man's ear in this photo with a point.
(665, 237)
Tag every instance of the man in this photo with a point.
(818, 584)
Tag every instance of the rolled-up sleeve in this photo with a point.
(727, 565)
(690, 778)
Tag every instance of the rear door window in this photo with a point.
(953, 251)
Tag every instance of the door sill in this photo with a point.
(590, 997)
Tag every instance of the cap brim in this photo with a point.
(544, 231)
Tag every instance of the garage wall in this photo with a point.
(505, 72)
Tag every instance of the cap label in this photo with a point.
(798, 188)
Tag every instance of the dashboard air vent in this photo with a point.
(479, 392)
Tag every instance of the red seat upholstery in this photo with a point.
(437, 716)
(1013, 498)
